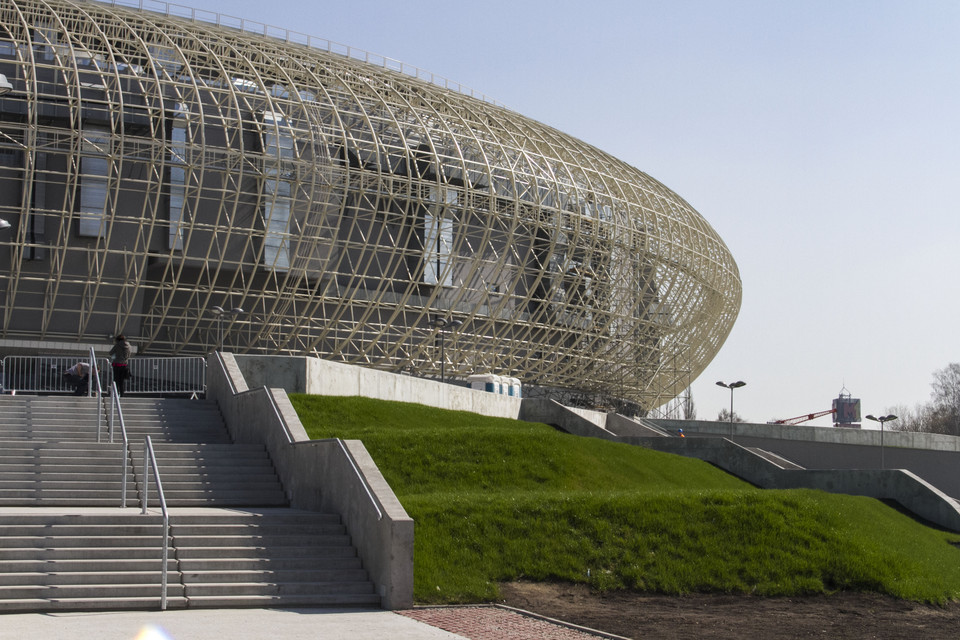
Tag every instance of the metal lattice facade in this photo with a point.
(157, 167)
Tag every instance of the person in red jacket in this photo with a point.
(120, 357)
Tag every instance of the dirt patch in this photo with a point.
(843, 615)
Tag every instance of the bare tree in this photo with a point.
(915, 419)
(941, 414)
(945, 408)
(689, 408)
(724, 416)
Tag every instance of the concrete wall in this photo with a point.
(899, 485)
(866, 437)
(323, 377)
(624, 426)
(564, 418)
(598, 418)
(933, 457)
(323, 475)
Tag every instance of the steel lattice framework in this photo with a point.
(157, 168)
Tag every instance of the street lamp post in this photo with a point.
(732, 386)
(220, 312)
(441, 324)
(881, 420)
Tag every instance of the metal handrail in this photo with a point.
(115, 410)
(95, 375)
(150, 458)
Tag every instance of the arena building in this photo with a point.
(196, 181)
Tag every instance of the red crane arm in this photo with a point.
(805, 418)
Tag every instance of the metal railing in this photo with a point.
(117, 412)
(45, 374)
(175, 375)
(149, 376)
(150, 463)
(295, 37)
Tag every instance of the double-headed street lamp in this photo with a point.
(732, 386)
(441, 324)
(220, 312)
(881, 420)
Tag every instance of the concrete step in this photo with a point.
(247, 551)
(49, 604)
(264, 517)
(274, 575)
(147, 572)
(182, 499)
(104, 591)
(259, 529)
(11, 473)
(67, 567)
(73, 530)
(288, 601)
(350, 564)
(82, 553)
(312, 563)
(314, 589)
(129, 539)
(305, 541)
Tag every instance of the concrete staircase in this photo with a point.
(66, 544)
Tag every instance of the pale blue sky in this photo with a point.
(819, 138)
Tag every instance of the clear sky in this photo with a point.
(820, 138)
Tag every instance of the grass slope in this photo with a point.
(497, 500)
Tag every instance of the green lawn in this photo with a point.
(497, 500)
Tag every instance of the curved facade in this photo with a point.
(161, 174)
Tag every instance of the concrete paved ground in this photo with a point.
(461, 623)
(220, 624)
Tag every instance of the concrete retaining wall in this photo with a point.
(933, 457)
(564, 418)
(322, 475)
(899, 485)
(322, 377)
(833, 435)
(598, 418)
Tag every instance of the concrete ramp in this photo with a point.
(636, 427)
(773, 458)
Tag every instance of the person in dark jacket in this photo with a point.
(78, 377)
(120, 357)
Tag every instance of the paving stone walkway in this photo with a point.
(499, 623)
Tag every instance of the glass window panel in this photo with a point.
(438, 237)
(278, 149)
(178, 178)
(94, 172)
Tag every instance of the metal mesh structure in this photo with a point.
(194, 184)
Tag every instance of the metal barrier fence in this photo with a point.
(149, 376)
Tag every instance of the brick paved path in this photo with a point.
(497, 623)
